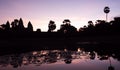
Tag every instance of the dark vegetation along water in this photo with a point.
(92, 47)
(14, 36)
(81, 58)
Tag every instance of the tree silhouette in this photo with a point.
(115, 24)
(51, 26)
(66, 27)
(3, 26)
(67, 21)
(102, 26)
(29, 27)
(6, 26)
(90, 26)
(83, 29)
(90, 23)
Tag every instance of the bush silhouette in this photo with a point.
(51, 26)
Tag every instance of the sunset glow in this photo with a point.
(40, 12)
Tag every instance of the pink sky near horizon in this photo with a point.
(40, 12)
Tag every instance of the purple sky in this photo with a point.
(40, 12)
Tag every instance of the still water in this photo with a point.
(79, 59)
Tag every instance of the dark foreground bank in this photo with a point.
(24, 42)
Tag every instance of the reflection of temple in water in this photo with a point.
(56, 56)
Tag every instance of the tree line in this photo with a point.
(100, 26)
(16, 26)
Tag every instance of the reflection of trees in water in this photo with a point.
(92, 55)
(53, 56)
(110, 67)
(16, 60)
(4, 61)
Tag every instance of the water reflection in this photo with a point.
(38, 58)
(110, 67)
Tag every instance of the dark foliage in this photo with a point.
(51, 26)
(66, 27)
(100, 27)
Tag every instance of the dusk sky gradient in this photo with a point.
(40, 12)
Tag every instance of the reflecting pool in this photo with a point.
(64, 59)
